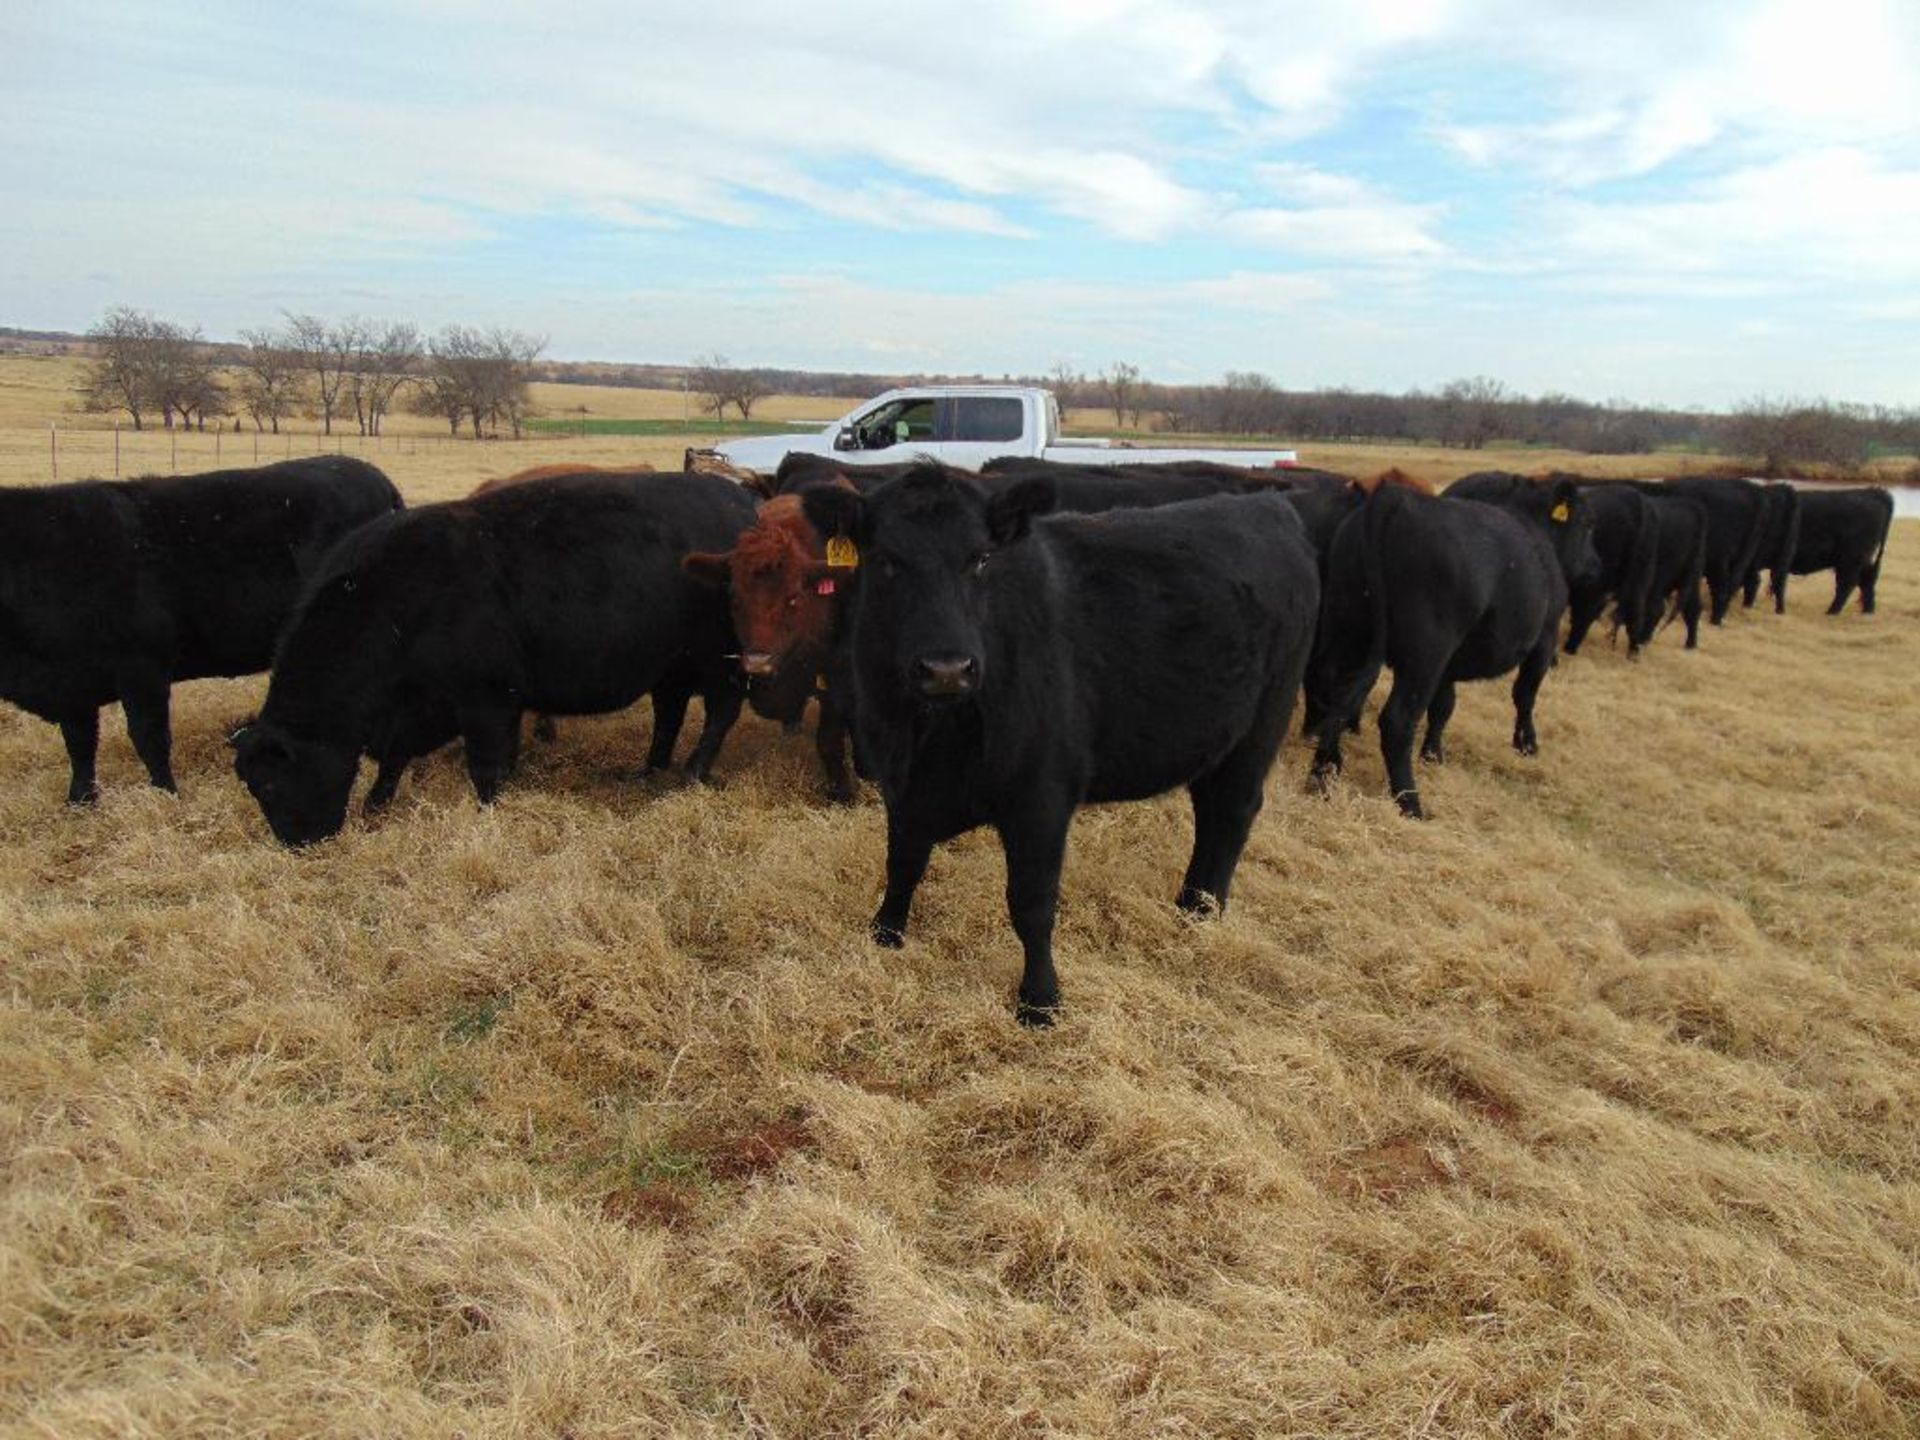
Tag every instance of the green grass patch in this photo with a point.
(590, 427)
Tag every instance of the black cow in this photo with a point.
(1010, 668)
(564, 596)
(1736, 523)
(1626, 545)
(1779, 538)
(1441, 591)
(1222, 477)
(1844, 531)
(800, 469)
(1678, 568)
(113, 590)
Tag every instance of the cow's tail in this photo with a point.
(1870, 576)
(1373, 521)
(1780, 563)
(1636, 587)
(1691, 578)
(1747, 557)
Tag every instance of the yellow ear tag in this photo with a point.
(842, 553)
(1560, 513)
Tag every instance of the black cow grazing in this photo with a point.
(1678, 568)
(1844, 531)
(1736, 524)
(113, 590)
(564, 596)
(1626, 545)
(1779, 538)
(1441, 591)
(1013, 666)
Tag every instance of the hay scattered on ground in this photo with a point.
(1591, 1107)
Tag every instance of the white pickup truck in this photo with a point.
(966, 426)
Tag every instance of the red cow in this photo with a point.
(786, 609)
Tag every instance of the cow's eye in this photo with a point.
(980, 561)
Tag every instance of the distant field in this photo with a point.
(623, 426)
(1590, 1107)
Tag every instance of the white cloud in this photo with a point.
(1831, 215)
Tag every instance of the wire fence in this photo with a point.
(106, 453)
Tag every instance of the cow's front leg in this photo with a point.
(908, 850)
(1036, 846)
(81, 733)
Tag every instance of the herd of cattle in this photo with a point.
(992, 649)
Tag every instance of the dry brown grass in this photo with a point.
(1591, 1107)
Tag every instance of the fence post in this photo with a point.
(216, 445)
(53, 447)
(173, 450)
(116, 449)
(256, 444)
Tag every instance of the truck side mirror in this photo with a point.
(846, 439)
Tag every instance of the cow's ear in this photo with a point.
(254, 742)
(714, 570)
(1011, 511)
(835, 512)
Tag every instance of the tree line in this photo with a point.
(1777, 435)
(476, 379)
(352, 369)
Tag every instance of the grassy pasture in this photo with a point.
(1590, 1107)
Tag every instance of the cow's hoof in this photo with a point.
(1320, 780)
(545, 731)
(1200, 904)
(840, 795)
(1411, 807)
(793, 726)
(887, 936)
(1433, 754)
(1037, 1017)
(86, 799)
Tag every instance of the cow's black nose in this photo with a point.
(946, 674)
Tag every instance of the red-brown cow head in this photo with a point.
(785, 600)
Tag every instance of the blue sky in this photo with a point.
(1686, 203)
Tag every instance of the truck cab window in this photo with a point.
(992, 418)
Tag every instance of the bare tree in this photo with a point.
(1787, 436)
(711, 378)
(1121, 387)
(121, 375)
(480, 376)
(748, 388)
(1067, 384)
(1470, 411)
(271, 387)
(190, 381)
(384, 360)
(329, 352)
(143, 364)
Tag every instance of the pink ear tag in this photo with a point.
(825, 587)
